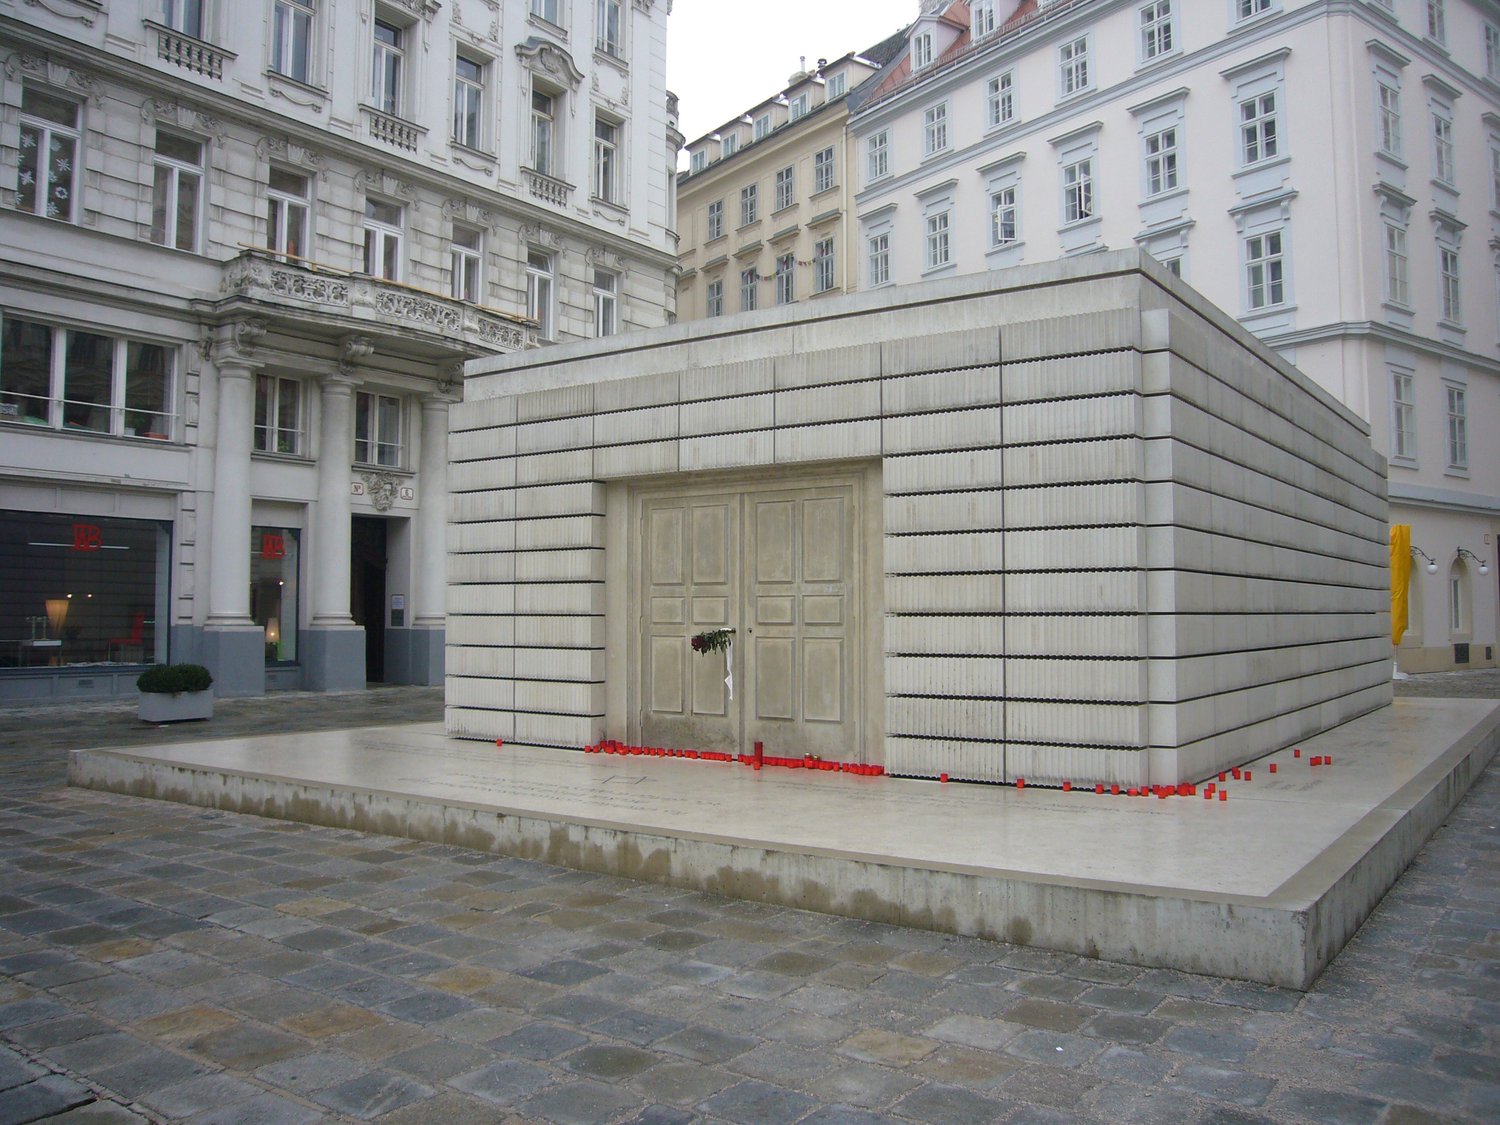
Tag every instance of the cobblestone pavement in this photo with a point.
(166, 963)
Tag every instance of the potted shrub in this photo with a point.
(171, 693)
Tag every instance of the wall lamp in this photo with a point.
(1465, 553)
(1431, 562)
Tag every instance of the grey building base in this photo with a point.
(236, 655)
(333, 659)
(414, 656)
(60, 685)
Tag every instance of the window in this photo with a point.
(1492, 52)
(1003, 230)
(1264, 277)
(539, 292)
(273, 589)
(48, 176)
(981, 18)
(715, 298)
(185, 16)
(606, 160)
(838, 86)
(468, 102)
(1390, 119)
(1442, 149)
(377, 429)
(606, 303)
(1078, 191)
(797, 108)
(74, 380)
(1494, 176)
(823, 265)
(1156, 30)
(715, 220)
(1437, 21)
(921, 50)
(176, 190)
(607, 26)
(785, 189)
(287, 211)
(699, 161)
(1002, 99)
(1161, 161)
(749, 289)
(1458, 616)
(546, 9)
(731, 144)
(1458, 428)
(1403, 415)
(878, 255)
(938, 247)
(382, 239)
(1397, 284)
(877, 155)
(935, 129)
(1073, 66)
(1258, 128)
(291, 39)
(786, 278)
(1453, 311)
(749, 204)
(278, 414)
(762, 125)
(1248, 9)
(385, 71)
(465, 259)
(823, 170)
(543, 125)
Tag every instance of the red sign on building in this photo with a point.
(272, 546)
(87, 537)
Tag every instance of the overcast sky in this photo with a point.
(723, 56)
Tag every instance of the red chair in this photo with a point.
(136, 639)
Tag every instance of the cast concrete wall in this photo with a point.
(1122, 540)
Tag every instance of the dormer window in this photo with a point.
(838, 86)
(700, 160)
(921, 51)
(797, 107)
(982, 18)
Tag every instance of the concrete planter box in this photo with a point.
(176, 707)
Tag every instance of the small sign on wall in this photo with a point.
(398, 610)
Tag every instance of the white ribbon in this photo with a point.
(729, 668)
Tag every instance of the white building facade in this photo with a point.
(247, 249)
(1327, 171)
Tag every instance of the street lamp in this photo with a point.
(1431, 562)
(1465, 553)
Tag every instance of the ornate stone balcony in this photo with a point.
(547, 188)
(395, 131)
(297, 288)
(191, 53)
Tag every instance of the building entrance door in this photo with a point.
(367, 591)
(779, 566)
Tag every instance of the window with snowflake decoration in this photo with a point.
(48, 173)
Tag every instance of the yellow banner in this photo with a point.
(1400, 578)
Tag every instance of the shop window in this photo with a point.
(273, 589)
(82, 590)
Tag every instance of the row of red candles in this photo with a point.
(610, 746)
(759, 758)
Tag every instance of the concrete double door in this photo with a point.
(779, 566)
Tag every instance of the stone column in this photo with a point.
(333, 648)
(330, 578)
(430, 556)
(233, 646)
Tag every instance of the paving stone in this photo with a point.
(973, 1031)
(372, 1094)
(1048, 1015)
(1224, 1085)
(203, 1094)
(949, 1105)
(151, 1069)
(538, 1041)
(1053, 1048)
(316, 1070)
(439, 1061)
(758, 1103)
(245, 1046)
(1329, 1107)
(580, 1103)
(1224, 1046)
(611, 1063)
(46, 1096)
(508, 1082)
(681, 1083)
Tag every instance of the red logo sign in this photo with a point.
(87, 537)
(272, 546)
